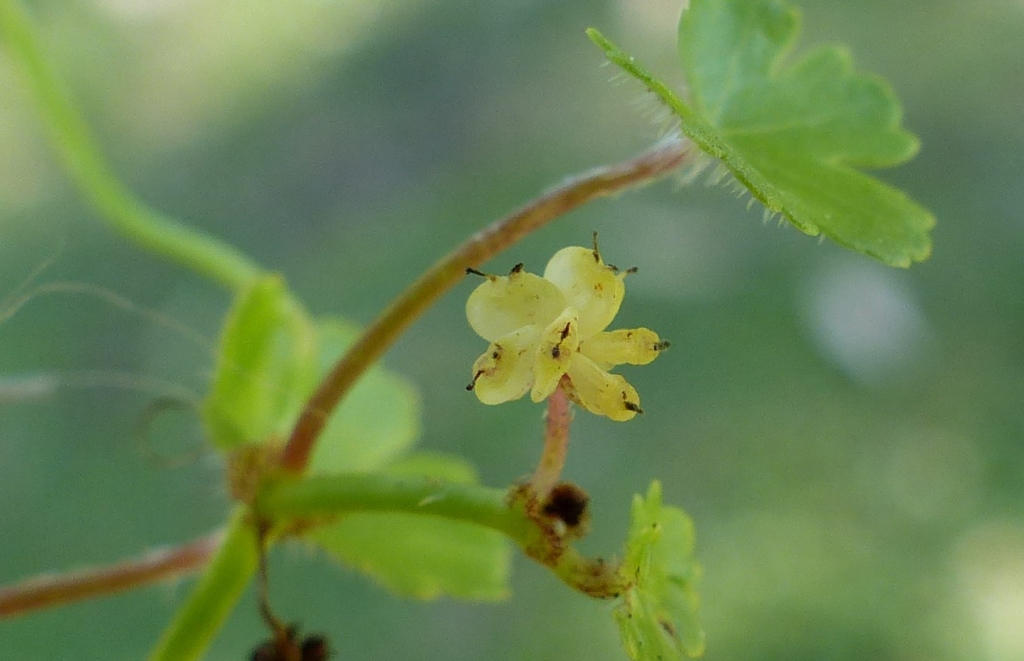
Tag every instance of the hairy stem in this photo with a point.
(212, 599)
(317, 497)
(556, 444)
(116, 204)
(442, 276)
(58, 590)
(331, 495)
(232, 558)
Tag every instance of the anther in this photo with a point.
(635, 408)
(472, 271)
(472, 384)
(516, 269)
(661, 346)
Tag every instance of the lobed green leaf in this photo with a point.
(657, 615)
(795, 133)
(421, 556)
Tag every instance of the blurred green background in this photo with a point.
(848, 438)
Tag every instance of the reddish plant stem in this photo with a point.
(56, 590)
(556, 445)
(652, 164)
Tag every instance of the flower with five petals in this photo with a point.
(549, 332)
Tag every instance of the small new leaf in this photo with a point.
(657, 615)
(271, 353)
(421, 556)
(795, 133)
(265, 366)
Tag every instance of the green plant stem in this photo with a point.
(446, 273)
(315, 498)
(231, 557)
(62, 589)
(212, 599)
(116, 204)
(331, 495)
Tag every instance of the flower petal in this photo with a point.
(589, 285)
(637, 346)
(558, 342)
(505, 371)
(600, 392)
(503, 304)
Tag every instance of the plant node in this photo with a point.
(567, 503)
(248, 467)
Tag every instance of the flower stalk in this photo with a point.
(556, 444)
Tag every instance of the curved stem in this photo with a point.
(331, 495)
(58, 590)
(117, 205)
(651, 165)
(512, 514)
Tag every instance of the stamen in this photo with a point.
(556, 351)
(516, 269)
(631, 406)
(472, 271)
(597, 253)
(472, 384)
(661, 346)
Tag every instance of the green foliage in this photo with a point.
(271, 355)
(795, 133)
(265, 367)
(377, 421)
(657, 615)
(421, 556)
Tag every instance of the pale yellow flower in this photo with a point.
(544, 328)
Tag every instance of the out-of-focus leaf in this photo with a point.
(376, 421)
(421, 556)
(271, 354)
(657, 615)
(795, 133)
(265, 366)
